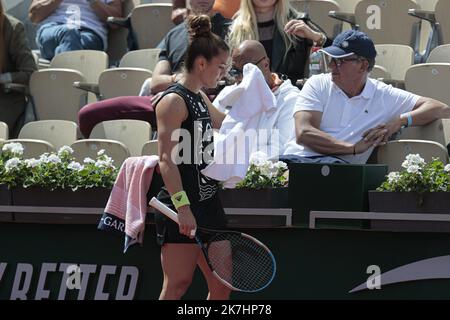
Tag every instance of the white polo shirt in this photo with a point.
(345, 118)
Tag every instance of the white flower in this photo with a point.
(101, 152)
(32, 163)
(88, 160)
(265, 168)
(44, 157)
(108, 162)
(393, 177)
(413, 169)
(12, 164)
(447, 168)
(14, 148)
(65, 150)
(100, 164)
(75, 166)
(413, 160)
(281, 165)
(53, 158)
(258, 158)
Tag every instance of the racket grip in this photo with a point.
(169, 213)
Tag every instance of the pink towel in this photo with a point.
(128, 199)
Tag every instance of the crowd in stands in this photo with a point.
(321, 119)
(286, 37)
(16, 66)
(67, 25)
(224, 67)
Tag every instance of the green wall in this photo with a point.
(312, 264)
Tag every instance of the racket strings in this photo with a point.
(241, 262)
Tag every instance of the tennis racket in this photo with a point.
(239, 261)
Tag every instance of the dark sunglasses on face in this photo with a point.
(340, 61)
(236, 73)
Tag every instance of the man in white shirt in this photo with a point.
(341, 116)
(67, 25)
(276, 123)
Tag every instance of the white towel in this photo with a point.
(237, 136)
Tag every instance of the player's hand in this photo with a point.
(187, 221)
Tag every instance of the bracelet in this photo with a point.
(321, 42)
(408, 117)
(180, 199)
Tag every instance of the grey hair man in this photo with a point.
(342, 115)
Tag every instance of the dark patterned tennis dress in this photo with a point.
(195, 150)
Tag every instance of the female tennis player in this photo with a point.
(185, 119)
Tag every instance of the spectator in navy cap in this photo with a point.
(342, 115)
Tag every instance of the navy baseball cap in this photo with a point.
(351, 42)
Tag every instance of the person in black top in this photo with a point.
(285, 33)
(167, 71)
(185, 119)
(173, 47)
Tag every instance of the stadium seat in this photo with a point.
(57, 132)
(133, 133)
(394, 152)
(144, 58)
(89, 148)
(429, 80)
(4, 131)
(32, 148)
(150, 148)
(54, 95)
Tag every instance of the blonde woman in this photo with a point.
(286, 37)
(16, 65)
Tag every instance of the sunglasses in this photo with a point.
(340, 61)
(236, 73)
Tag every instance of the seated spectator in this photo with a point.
(226, 8)
(279, 118)
(174, 47)
(67, 25)
(16, 66)
(285, 34)
(341, 116)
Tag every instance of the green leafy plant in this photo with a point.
(418, 176)
(263, 173)
(57, 170)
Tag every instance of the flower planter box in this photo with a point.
(5, 200)
(255, 198)
(261, 205)
(332, 187)
(5, 195)
(39, 197)
(410, 202)
(35, 196)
